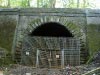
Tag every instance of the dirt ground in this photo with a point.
(1, 73)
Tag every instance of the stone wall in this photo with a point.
(86, 22)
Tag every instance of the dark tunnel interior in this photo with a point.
(51, 29)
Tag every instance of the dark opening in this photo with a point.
(51, 29)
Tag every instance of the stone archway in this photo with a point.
(76, 31)
(33, 41)
(49, 37)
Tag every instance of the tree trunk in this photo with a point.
(38, 3)
(84, 3)
(8, 4)
(52, 3)
(28, 3)
(78, 2)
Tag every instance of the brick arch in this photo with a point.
(40, 23)
(74, 29)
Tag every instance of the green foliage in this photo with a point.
(6, 61)
(25, 3)
(46, 3)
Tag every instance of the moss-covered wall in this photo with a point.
(93, 38)
(7, 29)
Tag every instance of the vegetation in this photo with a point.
(47, 3)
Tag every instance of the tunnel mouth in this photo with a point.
(51, 29)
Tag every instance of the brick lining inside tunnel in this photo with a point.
(51, 29)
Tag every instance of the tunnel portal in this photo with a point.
(52, 45)
(51, 29)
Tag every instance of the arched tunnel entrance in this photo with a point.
(52, 45)
(51, 29)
